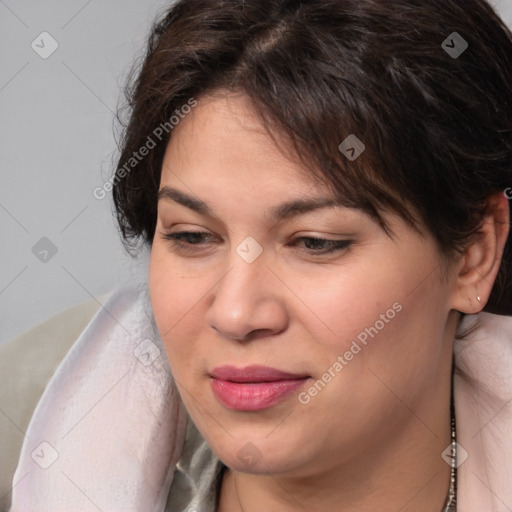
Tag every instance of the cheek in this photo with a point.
(336, 307)
(177, 304)
(385, 320)
(393, 347)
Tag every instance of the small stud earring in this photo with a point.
(478, 298)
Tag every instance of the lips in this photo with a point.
(253, 373)
(254, 387)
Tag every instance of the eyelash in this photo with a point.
(177, 243)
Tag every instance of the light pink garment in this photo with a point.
(117, 423)
(483, 407)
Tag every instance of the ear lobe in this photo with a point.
(481, 260)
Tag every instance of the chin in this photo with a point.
(255, 457)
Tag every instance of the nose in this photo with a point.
(247, 302)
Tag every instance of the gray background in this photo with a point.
(57, 144)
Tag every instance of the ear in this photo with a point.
(479, 265)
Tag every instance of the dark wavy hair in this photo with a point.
(437, 126)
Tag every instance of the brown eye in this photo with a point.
(321, 245)
(188, 242)
(190, 237)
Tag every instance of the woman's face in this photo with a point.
(273, 275)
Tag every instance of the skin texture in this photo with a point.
(371, 438)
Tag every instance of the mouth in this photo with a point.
(254, 387)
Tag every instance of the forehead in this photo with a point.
(223, 137)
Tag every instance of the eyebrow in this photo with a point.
(279, 213)
(179, 197)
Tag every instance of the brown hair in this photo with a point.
(437, 126)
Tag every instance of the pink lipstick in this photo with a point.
(254, 387)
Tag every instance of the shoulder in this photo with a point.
(483, 409)
(26, 365)
(485, 355)
(113, 396)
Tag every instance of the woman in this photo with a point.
(323, 189)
